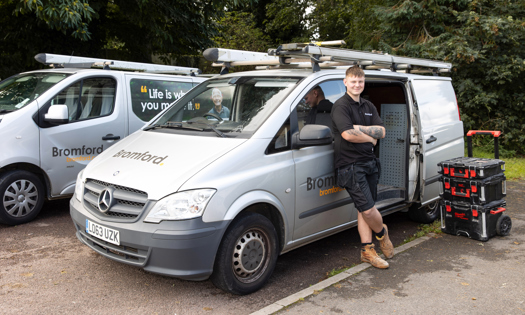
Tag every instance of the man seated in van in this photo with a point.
(315, 99)
(219, 110)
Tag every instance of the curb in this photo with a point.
(287, 301)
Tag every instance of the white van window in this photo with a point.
(308, 111)
(150, 97)
(233, 106)
(89, 98)
(19, 90)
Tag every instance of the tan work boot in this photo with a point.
(369, 255)
(385, 244)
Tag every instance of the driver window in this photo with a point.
(89, 98)
(316, 104)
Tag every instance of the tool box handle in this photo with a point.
(496, 135)
(497, 211)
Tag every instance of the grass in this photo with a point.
(424, 229)
(514, 163)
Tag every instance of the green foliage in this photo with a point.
(61, 15)
(239, 31)
(423, 230)
(483, 41)
(286, 21)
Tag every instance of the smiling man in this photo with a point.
(357, 127)
(218, 109)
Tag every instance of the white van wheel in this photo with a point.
(247, 255)
(21, 197)
(427, 214)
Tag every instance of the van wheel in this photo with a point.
(426, 214)
(247, 255)
(21, 197)
(503, 225)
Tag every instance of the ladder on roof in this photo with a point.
(317, 57)
(63, 61)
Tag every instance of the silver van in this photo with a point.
(194, 195)
(53, 122)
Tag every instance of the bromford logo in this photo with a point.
(78, 151)
(323, 182)
(144, 157)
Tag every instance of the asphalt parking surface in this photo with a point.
(44, 269)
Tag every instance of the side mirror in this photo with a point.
(57, 115)
(312, 135)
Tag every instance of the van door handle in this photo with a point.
(431, 139)
(110, 136)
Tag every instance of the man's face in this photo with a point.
(216, 98)
(310, 99)
(354, 85)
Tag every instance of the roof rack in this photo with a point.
(317, 57)
(63, 61)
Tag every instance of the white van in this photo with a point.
(54, 122)
(194, 195)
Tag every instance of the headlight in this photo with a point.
(180, 206)
(79, 187)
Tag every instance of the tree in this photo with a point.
(483, 41)
(119, 29)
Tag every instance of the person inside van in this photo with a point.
(219, 110)
(357, 127)
(315, 99)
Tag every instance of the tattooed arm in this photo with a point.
(376, 132)
(357, 136)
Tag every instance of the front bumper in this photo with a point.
(182, 249)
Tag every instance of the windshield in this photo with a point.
(229, 107)
(19, 90)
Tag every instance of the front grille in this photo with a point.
(128, 204)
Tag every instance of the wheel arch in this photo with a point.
(265, 204)
(32, 169)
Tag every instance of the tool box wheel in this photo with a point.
(503, 225)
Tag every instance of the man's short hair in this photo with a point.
(355, 71)
(319, 91)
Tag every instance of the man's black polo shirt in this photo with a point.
(345, 113)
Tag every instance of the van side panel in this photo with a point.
(441, 134)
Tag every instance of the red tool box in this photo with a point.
(472, 191)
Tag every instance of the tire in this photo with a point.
(426, 214)
(503, 225)
(21, 197)
(237, 269)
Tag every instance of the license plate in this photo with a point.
(102, 232)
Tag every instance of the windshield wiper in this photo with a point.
(3, 111)
(217, 131)
(151, 127)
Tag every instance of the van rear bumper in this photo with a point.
(182, 249)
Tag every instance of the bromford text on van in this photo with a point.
(194, 195)
(54, 122)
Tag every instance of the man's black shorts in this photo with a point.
(360, 180)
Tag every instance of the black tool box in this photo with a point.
(479, 222)
(472, 192)
(470, 167)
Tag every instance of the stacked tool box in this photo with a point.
(472, 192)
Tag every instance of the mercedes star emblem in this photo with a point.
(105, 200)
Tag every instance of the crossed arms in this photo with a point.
(362, 134)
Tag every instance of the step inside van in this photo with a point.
(231, 176)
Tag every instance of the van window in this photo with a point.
(19, 90)
(150, 97)
(88, 98)
(234, 105)
(329, 90)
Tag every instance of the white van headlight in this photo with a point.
(180, 206)
(79, 186)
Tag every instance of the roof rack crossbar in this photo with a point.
(55, 60)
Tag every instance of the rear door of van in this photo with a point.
(440, 130)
